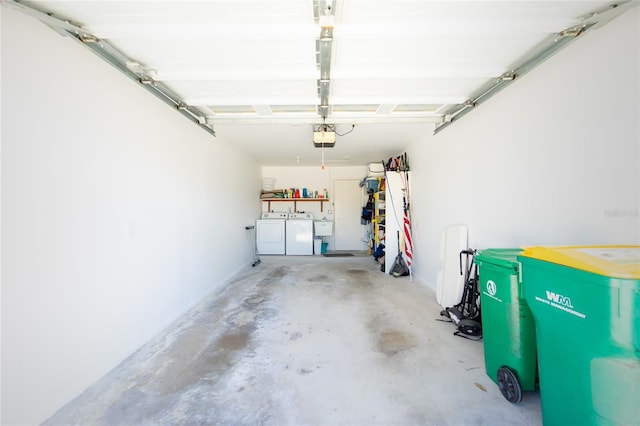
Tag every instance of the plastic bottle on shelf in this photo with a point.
(326, 193)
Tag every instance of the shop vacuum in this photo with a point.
(466, 314)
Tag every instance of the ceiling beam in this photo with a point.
(335, 119)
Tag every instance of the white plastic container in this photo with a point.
(376, 169)
(268, 184)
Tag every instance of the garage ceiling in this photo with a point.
(258, 74)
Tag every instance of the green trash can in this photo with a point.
(508, 329)
(585, 302)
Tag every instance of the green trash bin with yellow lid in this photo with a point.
(585, 302)
(508, 330)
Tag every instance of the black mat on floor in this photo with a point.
(337, 254)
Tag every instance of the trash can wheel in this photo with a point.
(509, 385)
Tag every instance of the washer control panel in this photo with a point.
(308, 216)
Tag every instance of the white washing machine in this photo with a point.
(299, 234)
(270, 233)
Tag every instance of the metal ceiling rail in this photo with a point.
(324, 11)
(118, 60)
(543, 51)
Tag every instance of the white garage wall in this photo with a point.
(553, 159)
(115, 217)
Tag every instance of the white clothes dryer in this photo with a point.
(270, 233)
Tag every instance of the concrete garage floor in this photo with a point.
(305, 340)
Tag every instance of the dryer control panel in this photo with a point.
(275, 215)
